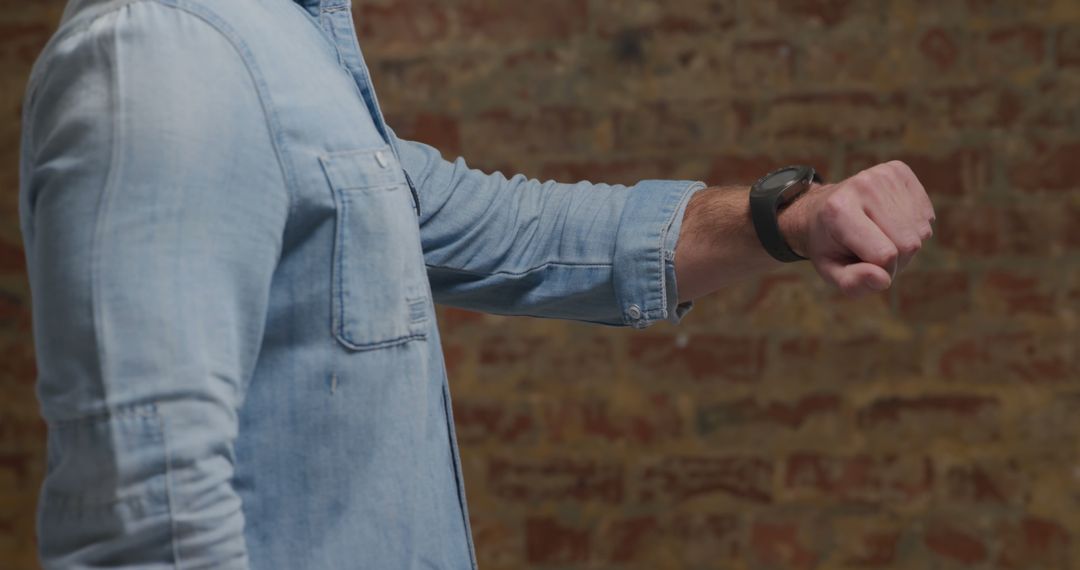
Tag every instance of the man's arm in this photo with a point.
(600, 253)
(153, 210)
(858, 233)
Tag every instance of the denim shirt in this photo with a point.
(234, 261)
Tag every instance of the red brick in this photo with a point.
(739, 169)
(875, 549)
(658, 420)
(498, 541)
(701, 539)
(1017, 47)
(417, 24)
(1008, 356)
(500, 132)
(828, 12)
(1046, 115)
(812, 14)
(19, 463)
(672, 126)
(1072, 227)
(665, 19)
(971, 229)
(757, 413)
(528, 480)
(16, 429)
(1052, 422)
(548, 541)
(939, 46)
(1033, 230)
(1067, 47)
(580, 356)
(849, 60)
(1027, 229)
(987, 482)
(512, 350)
(781, 545)
(452, 319)
(964, 417)
(12, 258)
(23, 41)
(708, 539)
(1033, 542)
(776, 292)
(701, 358)
(893, 409)
(20, 366)
(479, 421)
(627, 535)
(1048, 167)
(1004, 10)
(961, 172)
(13, 309)
(838, 361)
(437, 130)
(742, 169)
(401, 23)
(763, 63)
(1016, 292)
(933, 295)
(972, 107)
(680, 477)
(813, 119)
(454, 356)
(495, 21)
(952, 543)
(861, 478)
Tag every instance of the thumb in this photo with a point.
(855, 279)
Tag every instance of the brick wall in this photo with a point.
(933, 426)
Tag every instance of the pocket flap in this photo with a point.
(363, 169)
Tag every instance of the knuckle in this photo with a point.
(845, 284)
(852, 290)
(833, 208)
(926, 233)
(886, 256)
(863, 179)
(910, 247)
(901, 167)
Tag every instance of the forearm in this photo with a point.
(718, 245)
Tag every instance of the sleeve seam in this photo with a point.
(545, 265)
(269, 111)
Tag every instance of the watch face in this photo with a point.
(782, 178)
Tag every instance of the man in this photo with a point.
(234, 262)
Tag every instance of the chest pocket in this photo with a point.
(379, 290)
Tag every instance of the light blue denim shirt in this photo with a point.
(234, 262)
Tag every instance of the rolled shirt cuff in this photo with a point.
(649, 227)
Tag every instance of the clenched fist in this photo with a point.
(859, 233)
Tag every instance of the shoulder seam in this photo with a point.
(273, 125)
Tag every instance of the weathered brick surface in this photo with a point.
(781, 427)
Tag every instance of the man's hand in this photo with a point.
(859, 233)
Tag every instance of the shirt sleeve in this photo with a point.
(150, 253)
(601, 253)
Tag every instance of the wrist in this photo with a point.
(794, 220)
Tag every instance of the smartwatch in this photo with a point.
(772, 193)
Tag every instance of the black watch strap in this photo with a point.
(768, 196)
